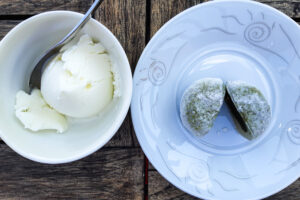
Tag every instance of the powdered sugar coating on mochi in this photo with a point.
(252, 106)
(200, 105)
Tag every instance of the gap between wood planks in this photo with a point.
(14, 17)
(147, 39)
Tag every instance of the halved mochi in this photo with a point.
(200, 105)
(250, 108)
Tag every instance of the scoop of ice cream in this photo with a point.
(78, 82)
(35, 114)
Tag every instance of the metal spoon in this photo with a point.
(36, 75)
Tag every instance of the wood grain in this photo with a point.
(31, 7)
(160, 189)
(151, 167)
(7, 25)
(289, 7)
(124, 137)
(113, 173)
(290, 193)
(162, 11)
(126, 20)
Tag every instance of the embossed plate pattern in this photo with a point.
(231, 40)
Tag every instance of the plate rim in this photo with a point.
(137, 127)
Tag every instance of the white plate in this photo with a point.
(232, 40)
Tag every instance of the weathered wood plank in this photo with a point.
(123, 138)
(6, 26)
(162, 11)
(126, 20)
(292, 192)
(134, 137)
(160, 189)
(112, 173)
(21, 7)
(289, 7)
(151, 167)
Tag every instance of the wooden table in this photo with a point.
(120, 169)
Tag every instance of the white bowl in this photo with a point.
(19, 51)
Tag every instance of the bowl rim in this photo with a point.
(134, 115)
(125, 102)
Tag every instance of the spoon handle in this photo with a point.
(78, 27)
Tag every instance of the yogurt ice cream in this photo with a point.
(36, 114)
(79, 81)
